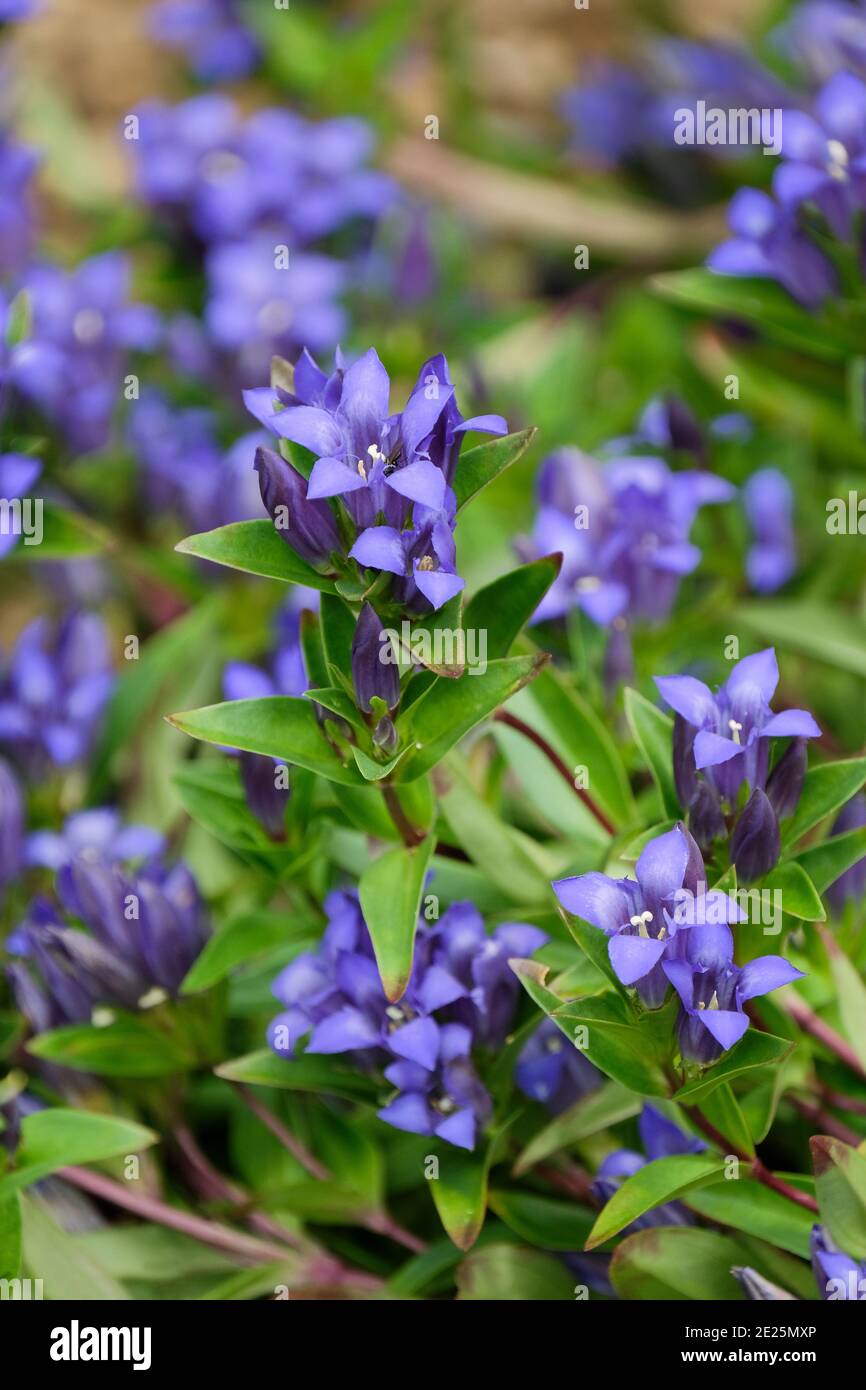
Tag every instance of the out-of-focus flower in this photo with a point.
(83, 326)
(210, 33)
(227, 176)
(461, 995)
(660, 1138)
(768, 499)
(53, 688)
(608, 114)
(96, 834)
(623, 530)
(381, 464)
(850, 886)
(11, 827)
(186, 471)
(768, 243)
(18, 473)
(263, 301)
(551, 1070)
(144, 932)
(838, 1276)
(17, 216)
(824, 36)
(824, 156)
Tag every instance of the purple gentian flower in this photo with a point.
(53, 689)
(712, 990)
(768, 243)
(824, 156)
(461, 994)
(96, 834)
(623, 531)
(733, 726)
(18, 164)
(645, 917)
(660, 1138)
(838, 1276)
(824, 36)
(18, 473)
(768, 499)
(551, 1070)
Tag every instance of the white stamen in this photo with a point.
(735, 729)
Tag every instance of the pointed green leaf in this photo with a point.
(653, 734)
(450, 708)
(677, 1263)
(825, 863)
(279, 726)
(749, 1206)
(255, 547)
(754, 1050)
(390, 891)
(826, 787)
(479, 466)
(58, 1138)
(502, 609)
(799, 897)
(503, 1273)
(127, 1047)
(606, 1106)
(544, 1221)
(840, 1185)
(660, 1181)
(306, 1072)
(242, 940)
(851, 993)
(584, 741)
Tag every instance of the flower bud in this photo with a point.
(374, 663)
(685, 775)
(755, 841)
(785, 782)
(706, 821)
(308, 527)
(385, 735)
(265, 799)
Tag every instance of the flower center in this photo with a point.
(837, 164)
(88, 325)
(640, 920)
(426, 562)
(736, 730)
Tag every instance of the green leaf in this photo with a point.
(479, 466)
(279, 726)
(840, 1185)
(653, 734)
(390, 891)
(241, 941)
(851, 993)
(723, 1111)
(59, 1138)
(68, 1271)
(660, 1181)
(825, 863)
(66, 535)
(606, 1106)
(10, 1237)
(460, 1191)
(584, 741)
(212, 794)
(255, 547)
(19, 319)
(749, 1206)
(799, 895)
(306, 1072)
(828, 635)
(677, 1263)
(754, 1050)
(495, 847)
(544, 1221)
(450, 708)
(127, 1047)
(511, 1273)
(825, 788)
(502, 609)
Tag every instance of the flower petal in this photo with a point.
(688, 697)
(712, 749)
(596, 898)
(791, 723)
(764, 974)
(380, 547)
(725, 1025)
(632, 957)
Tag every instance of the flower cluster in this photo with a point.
(726, 737)
(392, 473)
(622, 528)
(144, 930)
(666, 928)
(18, 163)
(461, 998)
(71, 364)
(211, 35)
(53, 689)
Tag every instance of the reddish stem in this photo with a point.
(503, 716)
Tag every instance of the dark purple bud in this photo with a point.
(706, 821)
(97, 893)
(267, 791)
(172, 924)
(695, 876)
(755, 841)
(385, 735)
(32, 1001)
(374, 662)
(685, 432)
(10, 1125)
(785, 782)
(685, 775)
(308, 527)
(81, 972)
